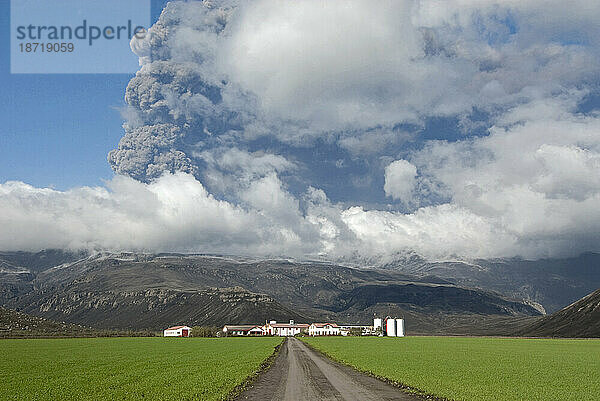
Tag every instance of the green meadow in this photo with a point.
(128, 368)
(476, 368)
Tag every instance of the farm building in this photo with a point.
(243, 330)
(284, 329)
(356, 330)
(390, 327)
(177, 331)
(324, 329)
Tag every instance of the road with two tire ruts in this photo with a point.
(299, 373)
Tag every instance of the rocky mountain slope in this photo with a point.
(36, 262)
(151, 291)
(19, 269)
(154, 308)
(580, 319)
(18, 324)
(553, 283)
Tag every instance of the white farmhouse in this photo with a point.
(177, 331)
(362, 330)
(284, 329)
(323, 329)
(243, 330)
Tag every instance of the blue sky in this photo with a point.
(56, 129)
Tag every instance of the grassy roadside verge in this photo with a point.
(250, 379)
(475, 368)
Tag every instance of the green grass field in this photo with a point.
(477, 368)
(128, 368)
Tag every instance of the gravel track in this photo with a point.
(299, 373)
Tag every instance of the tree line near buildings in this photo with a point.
(205, 331)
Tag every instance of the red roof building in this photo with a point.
(177, 331)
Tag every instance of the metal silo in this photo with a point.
(390, 327)
(399, 327)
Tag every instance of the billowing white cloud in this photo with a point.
(342, 64)
(400, 180)
(231, 170)
(435, 232)
(371, 142)
(362, 78)
(300, 70)
(538, 198)
(333, 63)
(534, 177)
(175, 212)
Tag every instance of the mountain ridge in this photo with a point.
(580, 319)
(552, 283)
(125, 289)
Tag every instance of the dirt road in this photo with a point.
(299, 373)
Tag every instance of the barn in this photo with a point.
(177, 331)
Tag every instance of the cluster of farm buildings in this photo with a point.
(391, 327)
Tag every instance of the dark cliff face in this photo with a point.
(580, 319)
(138, 291)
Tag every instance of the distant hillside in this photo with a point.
(18, 324)
(580, 319)
(19, 269)
(553, 283)
(150, 291)
(155, 309)
(36, 262)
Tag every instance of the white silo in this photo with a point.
(390, 327)
(399, 327)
